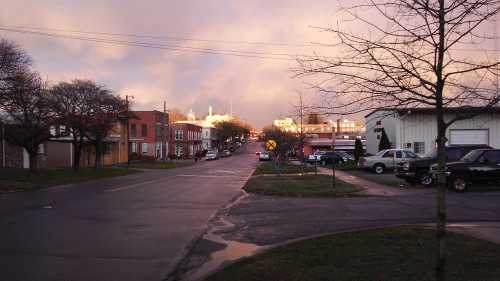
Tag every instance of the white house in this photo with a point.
(416, 128)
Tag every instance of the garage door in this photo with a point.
(469, 136)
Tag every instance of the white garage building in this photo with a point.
(416, 128)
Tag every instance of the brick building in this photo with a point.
(186, 140)
(149, 135)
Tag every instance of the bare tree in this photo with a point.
(299, 111)
(107, 110)
(73, 104)
(411, 55)
(13, 60)
(27, 113)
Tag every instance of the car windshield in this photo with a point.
(380, 153)
(472, 156)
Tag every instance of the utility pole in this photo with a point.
(128, 128)
(164, 132)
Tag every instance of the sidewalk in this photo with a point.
(370, 188)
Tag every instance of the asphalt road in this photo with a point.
(129, 228)
(267, 220)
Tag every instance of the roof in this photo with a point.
(427, 110)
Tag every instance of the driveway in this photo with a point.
(129, 228)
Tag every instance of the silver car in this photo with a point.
(386, 159)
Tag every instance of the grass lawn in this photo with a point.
(22, 180)
(160, 165)
(299, 186)
(287, 168)
(383, 255)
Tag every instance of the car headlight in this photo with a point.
(406, 166)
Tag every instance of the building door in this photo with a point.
(473, 136)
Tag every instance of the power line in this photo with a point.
(237, 53)
(173, 38)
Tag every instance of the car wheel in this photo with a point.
(459, 184)
(378, 169)
(425, 178)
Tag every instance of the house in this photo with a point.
(416, 128)
(149, 135)
(209, 138)
(186, 140)
(58, 152)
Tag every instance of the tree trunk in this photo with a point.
(33, 159)
(98, 153)
(441, 153)
(441, 199)
(77, 153)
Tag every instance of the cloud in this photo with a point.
(259, 89)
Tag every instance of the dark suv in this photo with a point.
(330, 157)
(418, 170)
(481, 166)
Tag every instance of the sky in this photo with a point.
(259, 90)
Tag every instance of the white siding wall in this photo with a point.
(388, 123)
(422, 128)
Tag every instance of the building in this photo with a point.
(313, 145)
(416, 128)
(59, 152)
(287, 125)
(345, 129)
(149, 135)
(209, 138)
(186, 140)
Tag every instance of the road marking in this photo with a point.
(210, 176)
(127, 187)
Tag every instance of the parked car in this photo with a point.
(386, 159)
(226, 153)
(264, 156)
(330, 157)
(346, 157)
(480, 166)
(417, 170)
(315, 157)
(211, 155)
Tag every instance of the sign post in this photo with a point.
(271, 145)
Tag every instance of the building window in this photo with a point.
(144, 130)
(133, 130)
(144, 148)
(419, 147)
(408, 145)
(179, 149)
(179, 135)
(379, 122)
(133, 147)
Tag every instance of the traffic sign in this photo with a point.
(271, 145)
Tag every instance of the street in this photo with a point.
(127, 228)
